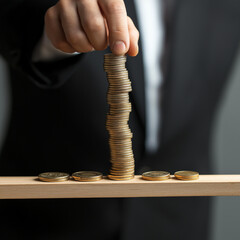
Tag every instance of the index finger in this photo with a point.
(116, 16)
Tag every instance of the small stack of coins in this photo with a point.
(87, 176)
(81, 176)
(156, 175)
(53, 176)
(186, 175)
(120, 136)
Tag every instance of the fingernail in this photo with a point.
(119, 47)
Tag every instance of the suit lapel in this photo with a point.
(135, 68)
(204, 42)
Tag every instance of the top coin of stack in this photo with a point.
(120, 135)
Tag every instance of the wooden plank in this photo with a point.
(207, 185)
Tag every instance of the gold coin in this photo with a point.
(122, 155)
(120, 90)
(121, 173)
(120, 84)
(118, 165)
(122, 104)
(118, 147)
(116, 74)
(114, 126)
(156, 175)
(115, 87)
(117, 151)
(118, 118)
(186, 175)
(118, 97)
(117, 178)
(53, 176)
(111, 57)
(87, 176)
(122, 128)
(122, 169)
(121, 176)
(124, 142)
(128, 90)
(117, 134)
(122, 161)
(118, 81)
(118, 111)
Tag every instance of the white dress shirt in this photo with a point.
(151, 34)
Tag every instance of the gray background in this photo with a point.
(226, 149)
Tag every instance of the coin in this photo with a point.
(120, 178)
(87, 176)
(53, 176)
(186, 175)
(156, 175)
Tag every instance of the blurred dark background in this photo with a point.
(226, 148)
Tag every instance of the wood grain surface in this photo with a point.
(31, 188)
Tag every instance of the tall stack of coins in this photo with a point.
(120, 136)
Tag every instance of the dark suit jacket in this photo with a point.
(58, 123)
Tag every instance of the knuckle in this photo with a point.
(133, 27)
(74, 40)
(115, 7)
(94, 25)
(118, 32)
(78, 43)
(137, 34)
(101, 47)
(86, 49)
(83, 2)
(62, 4)
(129, 20)
(60, 44)
(49, 14)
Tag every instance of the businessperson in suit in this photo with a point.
(59, 108)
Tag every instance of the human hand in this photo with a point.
(87, 25)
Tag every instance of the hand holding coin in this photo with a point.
(82, 26)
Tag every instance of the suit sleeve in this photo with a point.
(21, 26)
